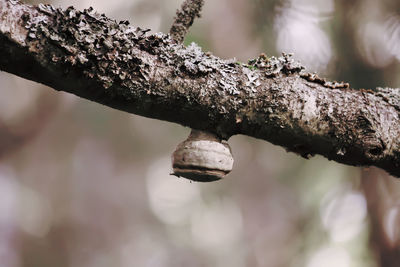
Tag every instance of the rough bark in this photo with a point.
(127, 68)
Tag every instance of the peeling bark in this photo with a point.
(127, 68)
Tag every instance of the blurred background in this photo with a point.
(84, 185)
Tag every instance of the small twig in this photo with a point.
(190, 9)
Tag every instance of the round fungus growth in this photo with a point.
(202, 157)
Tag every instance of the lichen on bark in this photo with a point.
(130, 69)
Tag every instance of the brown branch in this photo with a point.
(190, 9)
(274, 99)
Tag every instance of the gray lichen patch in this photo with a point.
(102, 47)
(252, 80)
(274, 66)
(194, 61)
(13, 15)
(191, 60)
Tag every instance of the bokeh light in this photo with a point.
(85, 185)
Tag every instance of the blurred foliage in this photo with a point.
(84, 185)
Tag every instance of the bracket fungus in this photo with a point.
(202, 157)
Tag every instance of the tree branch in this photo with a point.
(274, 99)
(185, 16)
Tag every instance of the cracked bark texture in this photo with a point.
(127, 68)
